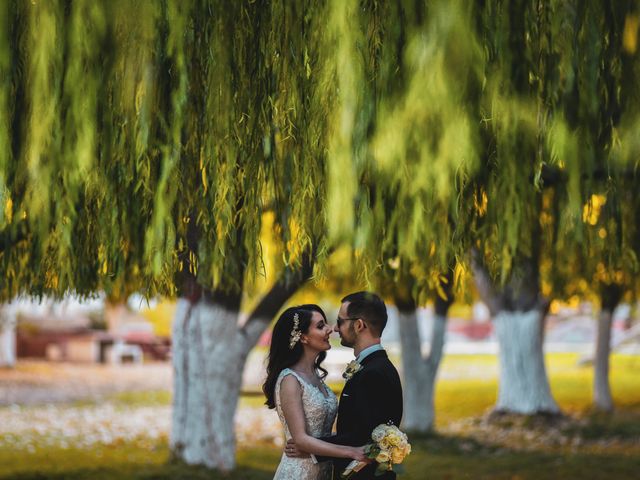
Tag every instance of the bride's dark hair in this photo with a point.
(280, 355)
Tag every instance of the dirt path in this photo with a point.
(34, 382)
(83, 426)
(37, 383)
(39, 406)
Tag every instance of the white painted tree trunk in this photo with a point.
(7, 337)
(209, 355)
(524, 386)
(601, 388)
(419, 372)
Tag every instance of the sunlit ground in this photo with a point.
(123, 434)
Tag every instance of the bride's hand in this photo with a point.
(291, 450)
(359, 455)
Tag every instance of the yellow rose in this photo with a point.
(407, 449)
(397, 456)
(393, 439)
(383, 457)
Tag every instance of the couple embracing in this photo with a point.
(307, 408)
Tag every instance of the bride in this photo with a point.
(295, 388)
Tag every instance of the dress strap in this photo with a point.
(288, 371)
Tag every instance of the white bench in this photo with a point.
(122, 352)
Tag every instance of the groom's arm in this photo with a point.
(351, 438)
(345, 439)
(293, 451)
(372, 408)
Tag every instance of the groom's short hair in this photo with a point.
(369, 307)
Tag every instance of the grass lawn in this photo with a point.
(590, 446)
(434, 458)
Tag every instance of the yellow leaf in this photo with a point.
(8, 210)
(630, 35)
(591, 210)
(441, 293)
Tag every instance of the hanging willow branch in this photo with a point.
(407, 132)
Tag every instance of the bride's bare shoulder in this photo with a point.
(290, 385)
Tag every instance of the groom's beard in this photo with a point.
(348, 340)
(345, 343)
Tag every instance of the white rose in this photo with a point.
(378, 433)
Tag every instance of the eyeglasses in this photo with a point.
(339, 321)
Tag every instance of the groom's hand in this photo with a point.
(292, 451)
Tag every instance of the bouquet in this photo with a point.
(388, 449)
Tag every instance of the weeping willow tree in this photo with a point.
(602, 267)
(424, 123)
(405, 91)
(141, 144)
(517, 105)
(613, 267)
(600, 259)
(465, 150)
(592, 240)
(456, 145)
(568, 80)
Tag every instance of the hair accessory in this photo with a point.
(295, 333)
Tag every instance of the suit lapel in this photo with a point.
(354, 387)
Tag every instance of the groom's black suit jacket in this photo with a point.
(371, 397)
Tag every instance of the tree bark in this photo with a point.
(518, 313)
(7, 337)
(610, 296)
(210, 350)
(524, 386)
(209, 358)
(420, 371)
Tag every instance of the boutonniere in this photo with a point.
(353, 368)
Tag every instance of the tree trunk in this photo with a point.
(210, 350)
(610, 296)
(7, 337)
(518, 313)
(524, 387)
(209, 358)
(419, 372)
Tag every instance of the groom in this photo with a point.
(372, 394)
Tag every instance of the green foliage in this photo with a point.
(143, 142)
(440, 457)
(5, 98)
(146, 139)
(451, 127)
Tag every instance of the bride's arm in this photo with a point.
(291, 404)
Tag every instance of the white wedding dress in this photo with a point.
(320, 408)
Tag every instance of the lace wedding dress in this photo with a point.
(320, 407)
